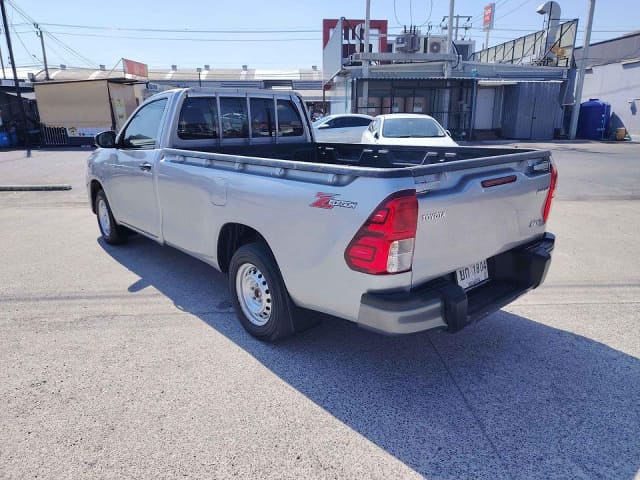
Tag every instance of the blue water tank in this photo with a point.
(4, 139)
(593, 121)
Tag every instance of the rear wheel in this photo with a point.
(112, 233)
(258, 293)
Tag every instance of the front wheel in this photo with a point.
(258, 293)
(112, 233)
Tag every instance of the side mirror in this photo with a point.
(105, 139)
(324, 125)
(376, 135)
(447, 132)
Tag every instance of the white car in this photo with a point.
(341, 128)
(407, 129)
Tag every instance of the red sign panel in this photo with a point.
(353, 31)
(487, 18)
(135, 68)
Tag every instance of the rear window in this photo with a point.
(263, 118)
(233, 112)
(411, 127)
(198, 119)
(289, 122)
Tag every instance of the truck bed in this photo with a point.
(360, 160)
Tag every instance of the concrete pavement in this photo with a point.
(127, 362)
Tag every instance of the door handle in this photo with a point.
(145, 167)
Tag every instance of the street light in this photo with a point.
(199, 70)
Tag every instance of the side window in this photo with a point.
(338, 122)
(289, 122)
(263, 118)
(233, 111)
(356, 122)
(198, 119)
(361, 122)
(142, 131)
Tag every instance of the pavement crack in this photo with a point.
(476, 418)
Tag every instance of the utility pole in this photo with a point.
(450, 27)
(457, 27)
(580, 74)
(365, 63)
(4, 75)
(44, 52)
(16, 82)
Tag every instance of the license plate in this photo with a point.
(472, 275)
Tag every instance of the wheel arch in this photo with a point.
(94, 187)
(232, 236)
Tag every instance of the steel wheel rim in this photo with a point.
(103, 217)
(253, 294)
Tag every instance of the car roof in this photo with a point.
(404, 115)
(337, 115)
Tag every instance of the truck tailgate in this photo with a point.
(466, 216)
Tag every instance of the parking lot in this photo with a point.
(128, 362)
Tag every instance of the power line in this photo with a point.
(27, 17)
(189, 39)
(22, 43)
(180, 30)
(395, 14)
(511, 11)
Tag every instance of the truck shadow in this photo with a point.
(506, 398)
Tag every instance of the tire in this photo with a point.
(112, 233)
(259, 295)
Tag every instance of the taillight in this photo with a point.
(550, 193)
(384, 244)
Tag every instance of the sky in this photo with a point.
(283, 34)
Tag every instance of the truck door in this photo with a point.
(132, 191)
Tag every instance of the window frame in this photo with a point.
(194, 141)
(234, 140)
(176, 142)
(122, 134)
(253, 140)
(296, 109)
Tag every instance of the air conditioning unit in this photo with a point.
(436, 44)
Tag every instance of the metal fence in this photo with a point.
(448, 101)
(53, 136)
(525, 50)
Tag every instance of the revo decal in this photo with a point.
(329, 200)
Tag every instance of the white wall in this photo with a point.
(619, 85)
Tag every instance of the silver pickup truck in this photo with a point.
(399, 239)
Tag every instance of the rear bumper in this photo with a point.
(443, 303)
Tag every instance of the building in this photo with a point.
(613, 75)
(515, 90)
(76, 103)
(72, 112)
(10, 115)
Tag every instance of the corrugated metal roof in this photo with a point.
(27, 95)
(182, 74)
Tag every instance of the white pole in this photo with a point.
(580, 73)
(486, 39)
(450, 27)
(365, 63)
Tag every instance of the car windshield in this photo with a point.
(411, 127)
(319, 122)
